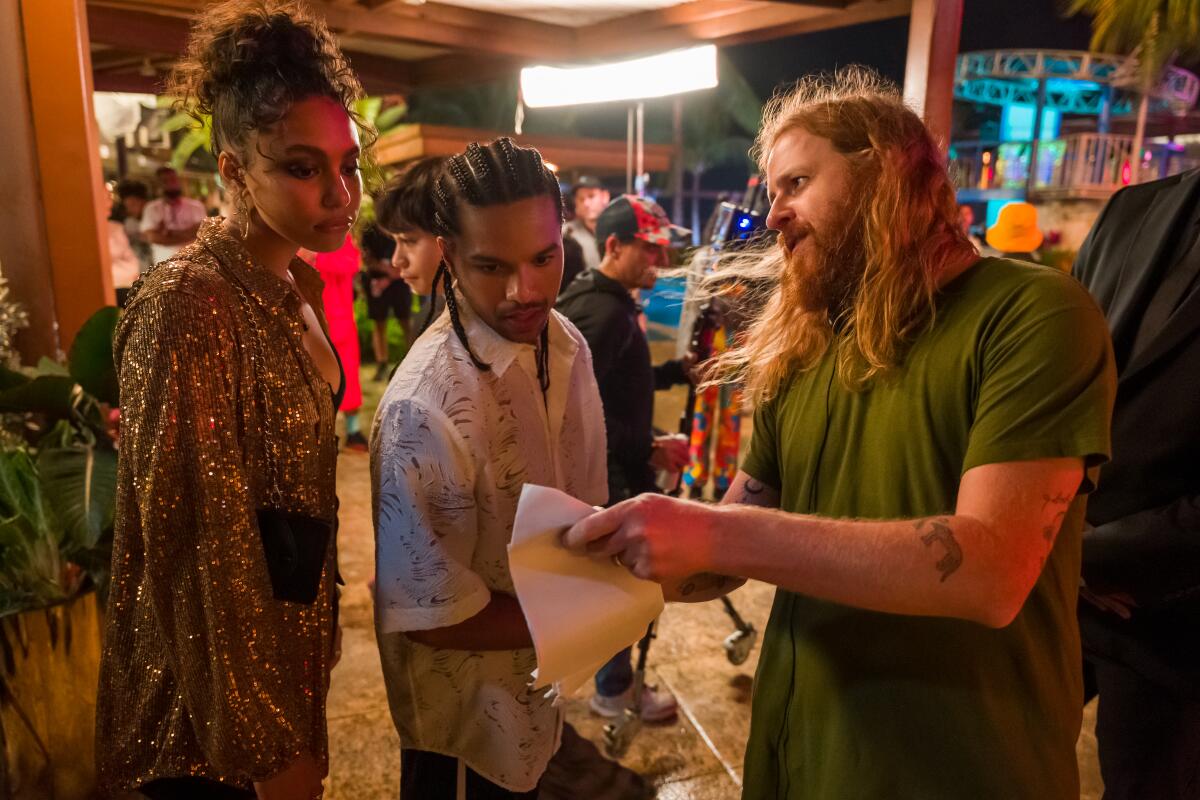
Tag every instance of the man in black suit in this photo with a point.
(1141, 556)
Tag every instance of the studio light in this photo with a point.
(653, 76)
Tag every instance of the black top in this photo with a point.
(607, 316)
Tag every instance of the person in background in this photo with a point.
(1016, 234)
(386, 294)
(172, 220)
(928, 425)
(588, 198)
(636, 235)
(404, 211)
(338, 270)
(131, 198)
(1140, 609)
(966, 218)
(125, 266)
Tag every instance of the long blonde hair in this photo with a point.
(910, 238)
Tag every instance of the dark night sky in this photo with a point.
(987, 25)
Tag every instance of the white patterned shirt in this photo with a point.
(451, 448)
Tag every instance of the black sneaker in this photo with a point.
(357, 442)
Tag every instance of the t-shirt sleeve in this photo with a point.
(1047, 387)
(762, 462)
(426, 521)
(151, 216)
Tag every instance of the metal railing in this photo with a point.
(1078, 166)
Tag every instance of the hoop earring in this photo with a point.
(242, 209)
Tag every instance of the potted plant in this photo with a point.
(57, 494)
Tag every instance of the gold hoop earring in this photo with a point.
(242, 209)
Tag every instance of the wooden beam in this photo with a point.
(454, 70)
(128, 82)
(933, 35)
(138, 31)
(458, 16)
(75, 204)
(855, 14)
(380, 75)
(502, 37)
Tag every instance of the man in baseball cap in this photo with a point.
(588, 198)
(634, 234)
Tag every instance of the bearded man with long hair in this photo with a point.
(928, 424)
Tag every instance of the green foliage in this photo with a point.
(30, 562)
(1156, 32)
(58, 472)
(198, 135)
(91, 358)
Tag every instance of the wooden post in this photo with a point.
(933, 32)
(677, 161)
(66, 238)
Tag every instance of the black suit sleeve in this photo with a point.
(1154, 555)
(1084, 267)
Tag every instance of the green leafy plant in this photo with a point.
(58, 472)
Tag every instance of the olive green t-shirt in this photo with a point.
(855, 704)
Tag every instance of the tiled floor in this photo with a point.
(698, 757)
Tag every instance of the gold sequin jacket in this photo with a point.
(203, 672)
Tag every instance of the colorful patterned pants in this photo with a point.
(717, 411)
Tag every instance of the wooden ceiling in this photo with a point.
(396, 45)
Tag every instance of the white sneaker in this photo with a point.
(658, 705)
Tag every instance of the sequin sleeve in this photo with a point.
(206, 578)
(426, 523)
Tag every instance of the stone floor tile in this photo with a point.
(715, 696)
(661, 753)
(364, 758)
(356, 685)
(715, 786)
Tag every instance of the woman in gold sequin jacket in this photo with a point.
(221, 622)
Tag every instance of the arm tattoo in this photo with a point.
(752, 486)
(1059, 503)
(940, 533)
(703, 582)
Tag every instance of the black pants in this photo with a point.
(193, 789)
(432, 776)
(1148, 737)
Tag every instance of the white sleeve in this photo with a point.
(426, 521)
(595, 435)
(151, 215)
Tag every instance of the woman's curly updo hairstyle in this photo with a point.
(247, 63)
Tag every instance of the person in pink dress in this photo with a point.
(338, 269)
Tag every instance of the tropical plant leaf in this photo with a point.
(91, 357)
(48, 366)
(52, 394)
(390, 117)
(80, 484)
(11, 378)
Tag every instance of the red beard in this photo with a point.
(823, 276)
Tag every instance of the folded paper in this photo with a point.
(581, 610)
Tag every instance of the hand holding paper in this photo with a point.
(581, 610)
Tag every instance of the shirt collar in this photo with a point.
(267, 288)
(493, 349)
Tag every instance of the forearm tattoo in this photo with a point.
(753, 487)
(940, 533)
(704, 582)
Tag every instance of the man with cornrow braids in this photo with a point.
(499, 392)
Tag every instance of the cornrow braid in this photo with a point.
(543, 360)
(456, 321)
(489, 175)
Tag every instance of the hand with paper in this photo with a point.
(581, 610)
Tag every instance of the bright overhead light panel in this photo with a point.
(654, 76)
